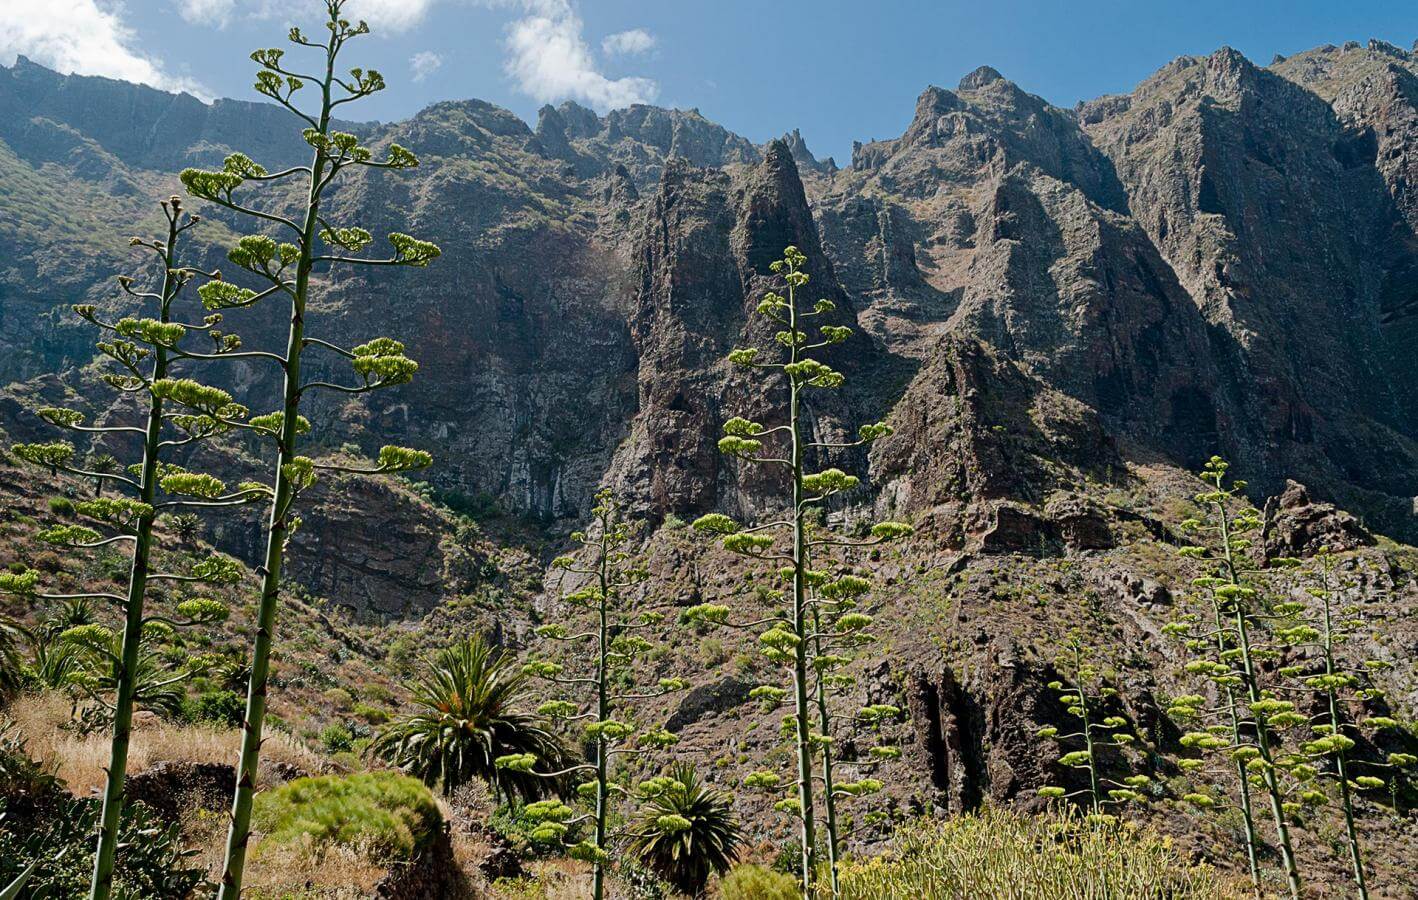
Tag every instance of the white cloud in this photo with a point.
(550, 60)
(628, 43)
(216, 13)
(424, 63)
(80, 36)
(389, 15)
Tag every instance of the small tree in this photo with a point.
(811, 635)
(284, 272)
(1325, 627)
(686, 830)
(604, 692)
(1228, 655)
(1084, 693)
(470, 714)
(176, 412)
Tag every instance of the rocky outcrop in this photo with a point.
(1295, 525)
(175, 789)
(433, 874)
(975, 738)
(1236, 174)
(1129, 256)
(709, 699)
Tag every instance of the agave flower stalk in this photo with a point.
(1235, 668)
(1084, 695)
(1323, 627)
(284, 270)
(178, 412)
(604, 694)
(803, 643)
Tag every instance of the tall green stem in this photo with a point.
(1341, 761)
(801, 707)
(603, 710)
(1093, 786)
(278, 529)
(828, 797)
(125, 667)
(1243, 782)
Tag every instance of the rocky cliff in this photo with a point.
(1062, 312)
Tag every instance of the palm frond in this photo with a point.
(469, 713)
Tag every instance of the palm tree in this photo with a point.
(470, 714)
(92, 663)
(686, 830)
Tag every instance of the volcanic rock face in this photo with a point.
(1239, 176)
(1221, 261)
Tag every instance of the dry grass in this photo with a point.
(998, 853)
(81, 761)
(337, 873)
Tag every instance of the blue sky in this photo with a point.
(839, 71)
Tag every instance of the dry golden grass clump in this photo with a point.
(1001, 855)
(79, 760)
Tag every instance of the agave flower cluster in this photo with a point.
(148, 354)
(274, 264)
(1318, 630)
(280, 267)
(1254, 718)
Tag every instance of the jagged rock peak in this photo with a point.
(486, 116)
(580, 122)
(801, 154)
(780, 163)
(774, 213)
(549, 121)
(936, 100)
(980, 77)
(1230, 64)
(1387, 49)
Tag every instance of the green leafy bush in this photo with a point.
(61, 506)
(370, 713)
(390, 815)
(998, 853)
(153, 865)
(336, 738)
(218, 707)
(751, 882)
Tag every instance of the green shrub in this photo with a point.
(336, 738)
(750, 882)
(218, 707)
(338, 698)
(61, 506)
(390, 815)
(998, 853)
(371, 714)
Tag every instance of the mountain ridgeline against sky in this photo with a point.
(1223, 261)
